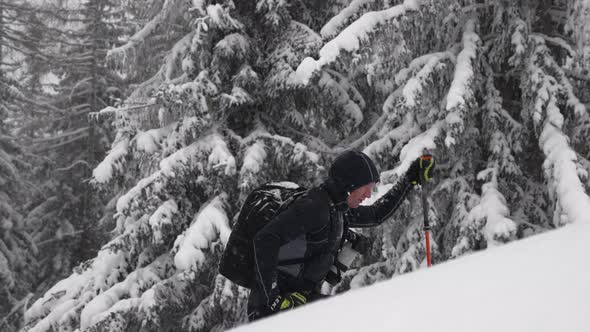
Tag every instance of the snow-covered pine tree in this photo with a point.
(203, 140)
(18, 263)
(578, 71)
(253, 92)
(17, 248)
(49, 109)
(470, 117)
(64, 83)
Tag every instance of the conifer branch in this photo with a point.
(323, 147)
(576, 75)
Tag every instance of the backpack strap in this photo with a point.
(301, 260)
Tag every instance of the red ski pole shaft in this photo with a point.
(428, 258)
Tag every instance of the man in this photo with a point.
(313, 228)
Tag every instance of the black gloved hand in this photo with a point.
(420, 169)
(359, 242)
(287, 302)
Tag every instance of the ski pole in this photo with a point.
(427, 161)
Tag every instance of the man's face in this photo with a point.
(359, 194)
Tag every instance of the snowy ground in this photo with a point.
(537, 284)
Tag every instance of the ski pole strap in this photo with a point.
(426, 163)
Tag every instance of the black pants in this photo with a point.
(257, 307)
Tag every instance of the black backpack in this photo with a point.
(260, 207)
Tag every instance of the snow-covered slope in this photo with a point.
(537, 284)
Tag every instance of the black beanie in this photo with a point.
(353, 169)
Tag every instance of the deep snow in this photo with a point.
(538, 284)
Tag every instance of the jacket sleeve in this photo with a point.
(383, 208)
(303, 216)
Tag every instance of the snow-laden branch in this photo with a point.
(252, 163)
(125, 295)
(113, 162)
(350, 38)
(208, 153)
(518, 40)
(238, 97)
(393, 142)
(415, 85)
(300, 151)
(377, 125)
(556, 41)
(64, 302)
(111, 111)
(560, 167)
(331, 28)
(234, 45)
(253, 158)
(417, 146)
(460, 90)
(320, 145)
(460, 86)
(402, 75)
(577, 24)
(150, 141)
(78, 288)
(492, 211)
(219, 17)
(178, 51)
(123, 56)
(339, 94)
(355, 94)
(228, 301)
(161, 219)
(208, 225)
(561, 76)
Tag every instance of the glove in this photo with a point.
(420, 169)
(359, 242)
(288, 301)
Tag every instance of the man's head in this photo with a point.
(358, 195)
(356, 174)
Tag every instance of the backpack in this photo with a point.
(260, 207)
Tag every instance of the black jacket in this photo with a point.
(312, 228)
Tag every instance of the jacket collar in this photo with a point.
(337, 194)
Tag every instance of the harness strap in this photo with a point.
(301, 260)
